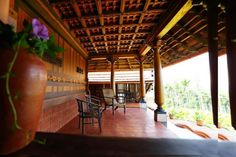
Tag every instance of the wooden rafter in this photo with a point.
(139, 22)
(113, 41)
(112, 34)
(128, 55)
(77, 11)
(172, 18)
(101, 19)
(157, 11)
(122, 28)
(115, 25)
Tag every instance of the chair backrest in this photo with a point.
(82, 106)
(108, 93)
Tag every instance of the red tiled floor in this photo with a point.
(135, 123)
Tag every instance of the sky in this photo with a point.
(197, 71)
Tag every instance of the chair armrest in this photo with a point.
(92, 98)
(110, 97)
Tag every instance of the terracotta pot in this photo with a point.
(28, 82)
(171, 116)
(199, 122)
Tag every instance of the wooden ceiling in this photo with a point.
(122, 29)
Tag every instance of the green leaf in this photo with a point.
(59, 49)
(52, 39)
(24, 43)
(43, 141)
(51, 53)
(27, 26)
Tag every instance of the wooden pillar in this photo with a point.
(213, 55)
(86, 77)
(4, 10)
(142, 81)
(159, 89)
(231, 55)
(113, 83)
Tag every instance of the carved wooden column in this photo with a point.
(159, 87)
(86, 77)
(142, 81)
(113, 83)
(4, 10)
(213, 55)
(231, 55)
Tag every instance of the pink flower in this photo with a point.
(39, 29)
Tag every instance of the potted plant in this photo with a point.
(199, 118)
(172, 113)
(23, 78)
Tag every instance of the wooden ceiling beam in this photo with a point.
(169, 22)
(119, 55)
(172, 18)
(97, 42)
(179, 15)
(122, 9)
(113, 34)
(135, 46)
(195, 32)
(129, 63)
(155, 11)
(193, 35)
(82, 21)
(139, 22)
(101, 20)
(112, 26)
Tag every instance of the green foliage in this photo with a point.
(26, 39)
(188, 103)
(198, 116)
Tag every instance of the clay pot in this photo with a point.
(199, 122)
(171, 116)
(27, 85)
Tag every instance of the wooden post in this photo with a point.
(159, 89)
(142, 81)
(4, 10)
(213, 55)
(113, 83)
(86, 77)
(231, 55)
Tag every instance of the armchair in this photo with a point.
(111, 100)
(89, 110)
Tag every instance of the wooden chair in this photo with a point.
(89, 110)
(111, 100)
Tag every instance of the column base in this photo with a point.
(160, 115)
(143, 103)
(142, 100)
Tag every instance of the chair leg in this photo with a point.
(82, 126)
(92, 121)
(99, 122)
(124, 108)
(104, 108)
(79, 122)
(113, 109)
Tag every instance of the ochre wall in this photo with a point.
(64, 84)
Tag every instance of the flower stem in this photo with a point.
(10, 67)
